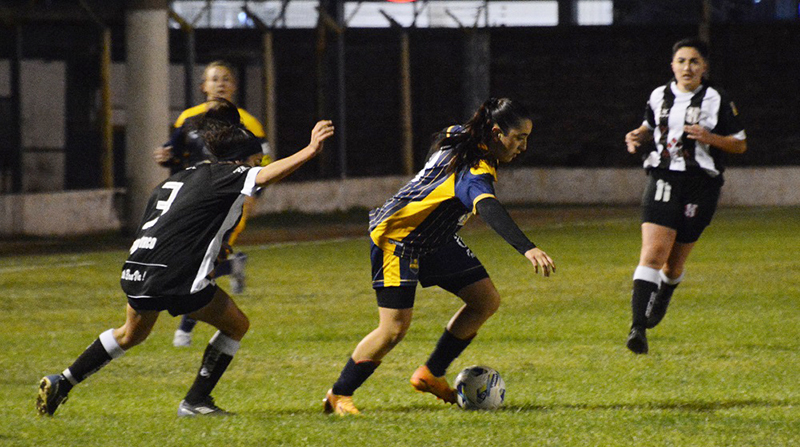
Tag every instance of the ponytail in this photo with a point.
(470, 144)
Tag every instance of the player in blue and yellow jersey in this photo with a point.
(414, 241)
(186, 148)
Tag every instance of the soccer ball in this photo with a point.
(480, 388)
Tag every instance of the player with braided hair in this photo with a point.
(414, 241)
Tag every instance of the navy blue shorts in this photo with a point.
(176, 304)
(452, 267)
(683, 201)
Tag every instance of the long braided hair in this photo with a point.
(470, 144)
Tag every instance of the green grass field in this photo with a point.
(723, 368)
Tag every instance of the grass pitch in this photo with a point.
(723, 367)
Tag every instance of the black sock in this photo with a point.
(97, 355)
(187, 324)
(665, 291)
(215, 362)
(448, 348)
(353, 375)
(643, 292)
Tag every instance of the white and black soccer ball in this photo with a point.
(480, 388)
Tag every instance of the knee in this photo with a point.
(394, 333)
(490, 305)
(493, 304)
(127, 339)
(241, 327)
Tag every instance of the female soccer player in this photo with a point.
(172, 258)
(414, 240)
(186, 148)
(693, 124)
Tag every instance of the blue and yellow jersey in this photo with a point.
(432, 207)
(249, 121)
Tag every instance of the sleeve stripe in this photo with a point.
(478, 199)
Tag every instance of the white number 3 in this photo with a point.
(164, 205)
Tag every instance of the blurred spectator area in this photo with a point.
(586, 83)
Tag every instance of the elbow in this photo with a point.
(741, 148)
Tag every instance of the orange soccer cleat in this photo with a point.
(424, 381)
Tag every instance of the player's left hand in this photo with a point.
(539, 259)
(322, 131)
(697, 132)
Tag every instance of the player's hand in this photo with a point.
(162, 154)
(697, 132)
(633, 140)
(321, 132)
(539, 259)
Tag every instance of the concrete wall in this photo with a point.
(78, 212)
(60, 213)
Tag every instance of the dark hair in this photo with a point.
(469, 144)
(225, 137)
(692, 42)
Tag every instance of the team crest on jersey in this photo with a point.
(734, 109)
(692, 115)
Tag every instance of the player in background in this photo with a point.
(171, 261)
(693, 124)
(186, 148)
(414, 240)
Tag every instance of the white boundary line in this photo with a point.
(48, 266)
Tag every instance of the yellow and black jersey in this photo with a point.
(249, 121)
(189, 149)
(429, 210)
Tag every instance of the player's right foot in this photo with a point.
(423, 380)
(341, 405)
(637, 340)
(204, 408)
(182, 339)
(52, 393)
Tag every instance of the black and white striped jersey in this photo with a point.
(669, 110)
(183, 226)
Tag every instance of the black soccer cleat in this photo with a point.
(204, 408)
(637, 340)
(52, 393)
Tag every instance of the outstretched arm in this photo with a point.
(281, 168)
(495, 215)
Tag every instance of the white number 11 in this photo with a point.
(663, 191)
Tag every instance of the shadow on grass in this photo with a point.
(690, 406)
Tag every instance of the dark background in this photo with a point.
(587, 87)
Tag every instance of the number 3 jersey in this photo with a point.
(182, 230)
(429, 210)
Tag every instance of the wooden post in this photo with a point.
(106, 125)
(270, 98)
(405, 104)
